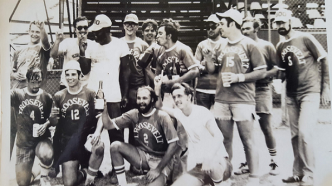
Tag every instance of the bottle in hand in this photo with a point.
(99, 106)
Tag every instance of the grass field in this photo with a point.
(323, 152)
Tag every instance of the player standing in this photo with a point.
(263, 97)
(69, 48)
(211, 160)
(136, 46)
(206, 83)
(177, 61)
(155, 140)
(241, 65)
(32, 106)
(75, 106)
(298, 58)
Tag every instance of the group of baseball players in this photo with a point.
(178, 106)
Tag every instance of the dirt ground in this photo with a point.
(323, 152)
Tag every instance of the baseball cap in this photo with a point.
(233, 14)
(283, 15)
(213, 18)
(101, 21)
(131, 18)
(72, 65)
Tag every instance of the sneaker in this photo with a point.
(44, 181)
(307, 181)
(114, 179)
(243, 169)
(292, 179)
(274, 169)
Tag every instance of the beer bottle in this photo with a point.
(99, 106)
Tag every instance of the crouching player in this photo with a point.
(204, 138)
(74, 106)
(32, 107)
(155, 140)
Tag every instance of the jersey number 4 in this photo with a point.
(75, 114)
(32, 115)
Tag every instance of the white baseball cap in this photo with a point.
(283, 15)
(213, 18)
(101, 21)
(131, 18)
(233, 14)
(72, 65)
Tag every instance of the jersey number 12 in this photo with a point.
(75, 114)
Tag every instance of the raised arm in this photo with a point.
(124, 77)
(85, 63)
(43, 36)
(55, 48)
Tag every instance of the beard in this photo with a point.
(145, 109)
(283, 31)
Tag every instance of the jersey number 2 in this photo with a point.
(146, 138)
(75, 114)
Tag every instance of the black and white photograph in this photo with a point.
(165, 93)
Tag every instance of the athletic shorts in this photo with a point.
(264, 99)
(236, 112)
(153, 162)
(24, 155)
(205, 178)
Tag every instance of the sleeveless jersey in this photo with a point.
(299, 57)
(152, 133)
(76, 111)
(198, 133)
(30, 109)
(239, 57)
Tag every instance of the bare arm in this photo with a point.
(106, 120)
(159, 102)
(124, 77)
(325, 91)
(43, 36)
(55, 48)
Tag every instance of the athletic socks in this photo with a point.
(273, 153)
(90, 176)
(120, 174)
(44, 169)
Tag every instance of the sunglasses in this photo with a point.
(130, 24)
(80, 28)
(213, 27)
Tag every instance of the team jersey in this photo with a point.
(269, 53)
(105, 66)
(29, 56)
(136, 47)
(71, 51)
(198, 133)
(76, 111)
(299, 57)
(239, 57)
(177, 60)
(207, 82)
(152, 132)
(30, 109)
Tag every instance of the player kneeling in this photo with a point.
(73, 114)
(32, 107)
(155, 140)
(204, 138)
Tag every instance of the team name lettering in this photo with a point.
(239, 51)
(75, 101)
(170, 60)
(293, 49)
(32, 102)
(151, 128)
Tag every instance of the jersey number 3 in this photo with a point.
(75, 114)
